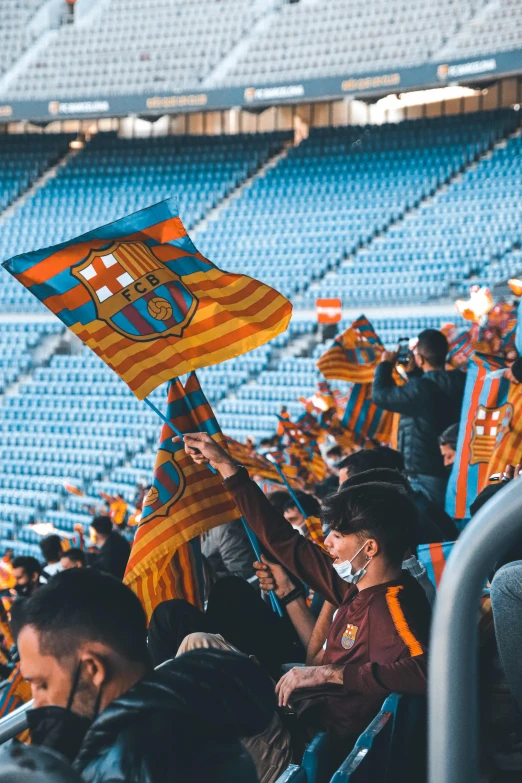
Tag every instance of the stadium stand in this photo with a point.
(114, 177)
(14, 35)
(306, 40)
(127, 47)
(496, 29)
(347, 185)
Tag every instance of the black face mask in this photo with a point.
(60, 728)
(24, 591)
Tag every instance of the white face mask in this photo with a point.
(346, 571)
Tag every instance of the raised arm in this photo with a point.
(387, 395)
(304, 559)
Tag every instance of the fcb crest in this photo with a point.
(348, 638)
(489, 427)
(167, 487)
(135, 293)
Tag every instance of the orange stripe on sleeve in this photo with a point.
(400, 622)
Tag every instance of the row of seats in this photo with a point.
(127, 47)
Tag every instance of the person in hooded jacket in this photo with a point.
(428, 404)
(82, 640)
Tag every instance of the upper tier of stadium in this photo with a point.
(127, 46)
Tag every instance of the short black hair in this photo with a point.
(432, 345)
(450, 437)
(102, 525)
(374, 510)
(279, 499)
(75, 555)
(368, 459)
(84, 604)
(51, 547)
(334, 452)
(309, 504)
(382, 476)
(29, 564)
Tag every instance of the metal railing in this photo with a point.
(15, 722)
(452, 677)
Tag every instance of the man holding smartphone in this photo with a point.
(428, 403)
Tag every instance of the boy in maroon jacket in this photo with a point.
(377, 641)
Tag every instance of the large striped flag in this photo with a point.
(141, 296)
(184, 500)
(487, 416)
(364, 419)
(508, 448)
(354, 355)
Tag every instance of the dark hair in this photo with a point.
(309, 504)
(51, 547)
(29, 564)
(368, 459)
(374, 510)
(334, 452)
(279, 499)
(433, 346)
(382, 476)
(84, 604)
(75, 555)
(102, 525)
(450, 436)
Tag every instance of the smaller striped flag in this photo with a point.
(364, 419)
(353, 355)
(185, 499)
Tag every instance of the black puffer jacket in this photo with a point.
(427, 404)
(181, 724)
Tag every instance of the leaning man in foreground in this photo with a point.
(377, 641)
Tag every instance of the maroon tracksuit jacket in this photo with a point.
(379, 634)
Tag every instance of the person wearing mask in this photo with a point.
(114, 548)
(27, 572)
(51, 547)
(82, 640)
(73, 558)
(377, 642)
(294, 515)
(428, 404)
(448, 445)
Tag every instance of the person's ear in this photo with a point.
(372, 548)
(35, 578)
(95, 667)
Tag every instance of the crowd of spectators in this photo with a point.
(235, 692)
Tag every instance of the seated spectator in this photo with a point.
(51, 547)
(228, 552)
(114, 548)
(73, 558)
(294, 515)
(27, 572)
(377, 641)
(448, 445)
(428, 405)
(506, 602)
(83, 647)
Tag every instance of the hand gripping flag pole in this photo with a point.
(251, 535)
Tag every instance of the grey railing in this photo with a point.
(452, 679)
(15, 722)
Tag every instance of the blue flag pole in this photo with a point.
(251, 535)
(276, 606)
(287, 485)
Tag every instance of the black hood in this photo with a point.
(223, 693)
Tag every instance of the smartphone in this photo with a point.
(403, 350)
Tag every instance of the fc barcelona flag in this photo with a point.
(364, 419)
(141, 296)
(487, 416)
(185, 499)
(353, 355)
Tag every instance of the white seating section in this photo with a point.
(14, 36)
